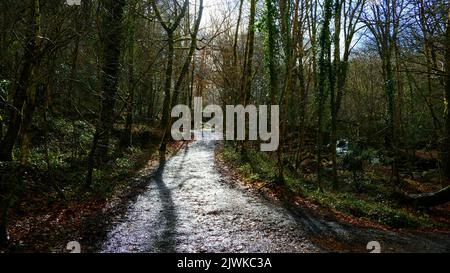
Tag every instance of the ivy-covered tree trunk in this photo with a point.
(324, 66)
(22, 90)
(334, 77)
(269, 50)
(23, 103)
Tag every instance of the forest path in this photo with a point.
(189, 207)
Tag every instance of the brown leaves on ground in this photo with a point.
(38, 225)
(277, 193)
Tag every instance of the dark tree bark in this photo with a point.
(24, 82)
(248, 62)
(111, 38)
(168, 80)
(131, 84)
(22, 108)
(270, 50)
(430, 199)
(247, 73)
(446, 149)
(324, 67)
(302, 84)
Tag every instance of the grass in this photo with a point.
(365, 197)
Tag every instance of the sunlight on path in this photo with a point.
(187, 208)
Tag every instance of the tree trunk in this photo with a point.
(236, 37)
(446, 150)
(24, 83)
(334, 77)
(324, 66)
(128, 135)
(127, 141)
(170, 30)
(246, 81)
(430, 199)
(184, 71)
(111, 39)
(270, 50)
(168, 80)
(4, 221)
(248, 66)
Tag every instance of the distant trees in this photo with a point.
(310, 52)
(383, 22)
(347, 16)
(318, 46)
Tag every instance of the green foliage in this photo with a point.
(364, 197)
(4, 87)
(56, 159)
(369, 154)
(124, 162)
(79, 131)
(256, 165)
(268, 27)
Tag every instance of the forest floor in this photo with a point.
(196, 202)
(332, 230)
(54, 210)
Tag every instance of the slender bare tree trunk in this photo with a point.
(446, 150)
(181, 77)
(131, 84)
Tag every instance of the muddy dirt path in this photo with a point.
(189, 207)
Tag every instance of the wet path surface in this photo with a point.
(188, 207)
